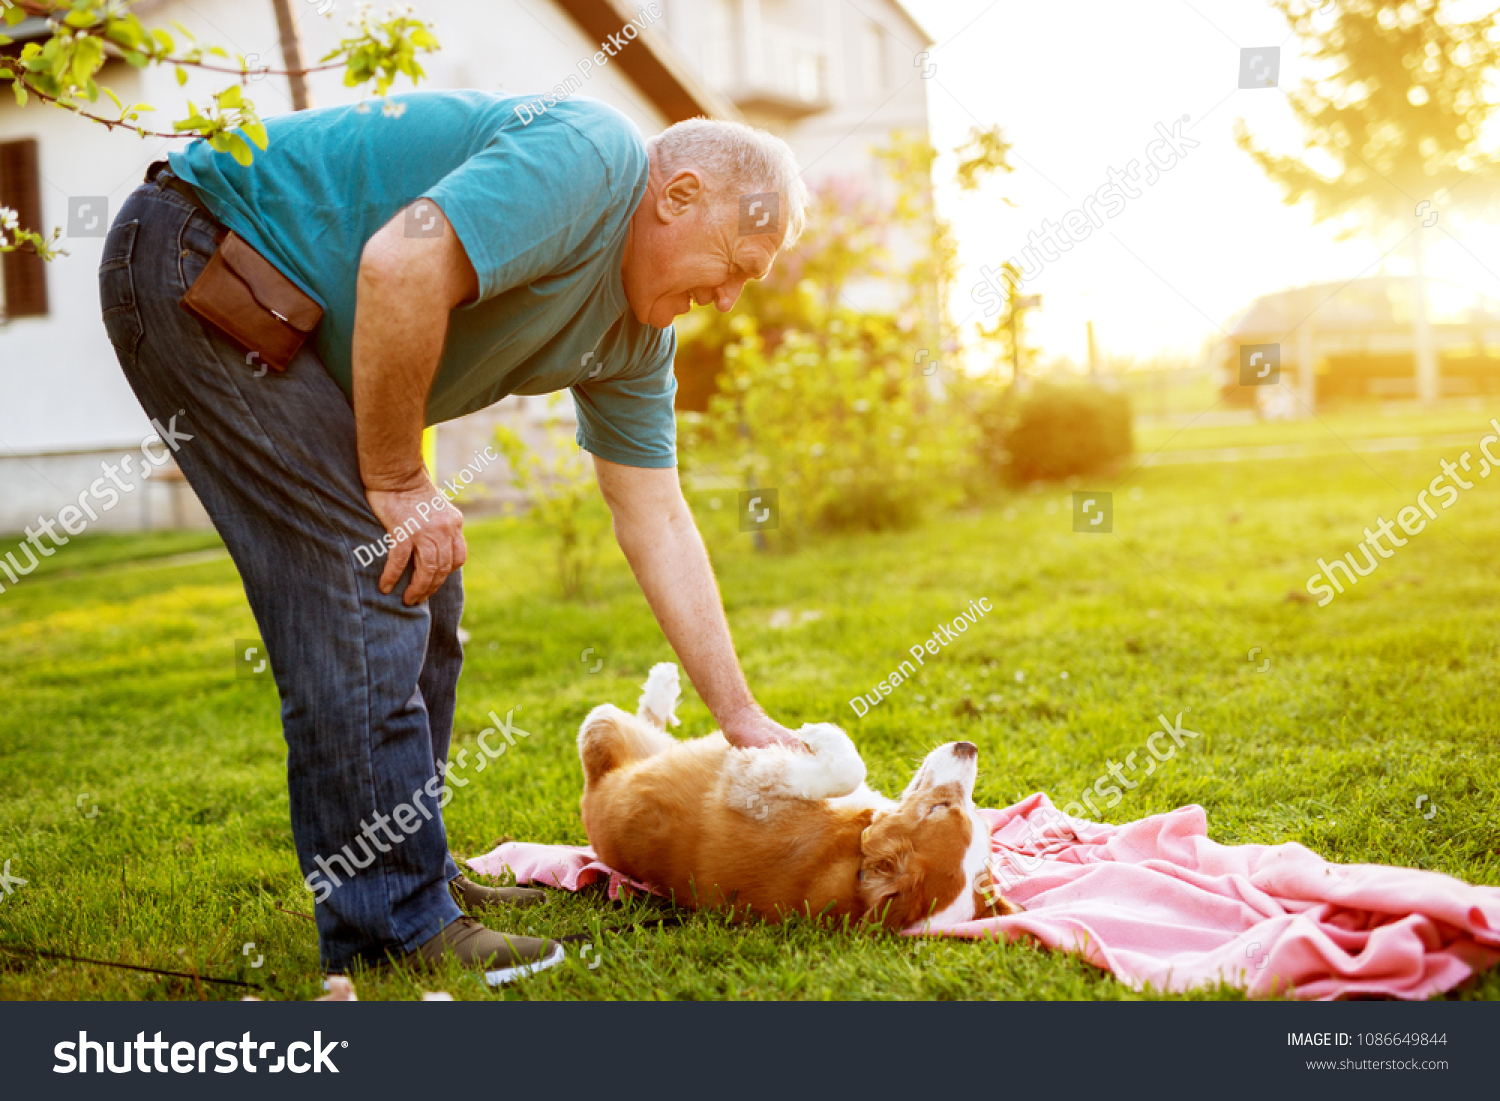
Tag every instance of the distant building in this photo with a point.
(1356, 337)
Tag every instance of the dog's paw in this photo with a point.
(836, 767)
(660, 695)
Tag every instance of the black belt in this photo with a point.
(162, 175)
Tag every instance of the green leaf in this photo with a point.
(239, 149)
(114, 99)
(123, 34)
(256, 132)
(181, 76)
(231, 97)
(5, 41)
(20, 90)
(13, 15)
(88, 56)
(165, 41)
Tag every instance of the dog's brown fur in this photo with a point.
(667, 813)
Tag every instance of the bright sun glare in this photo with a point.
(1080, 96)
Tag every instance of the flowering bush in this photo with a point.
(844, 240)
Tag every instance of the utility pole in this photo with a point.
(1019, 304)
(1015, 306)
(291, 55)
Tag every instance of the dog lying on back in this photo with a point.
(774, 831)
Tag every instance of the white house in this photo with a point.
(831, 78)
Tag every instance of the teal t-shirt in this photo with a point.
(542, 210)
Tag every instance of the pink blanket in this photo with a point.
(1158, 903)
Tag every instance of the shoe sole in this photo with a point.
(503, 975)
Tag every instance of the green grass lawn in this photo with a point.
(118, 692)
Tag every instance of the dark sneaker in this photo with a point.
(504, 957)
(471, 896)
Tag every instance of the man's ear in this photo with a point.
(679, 193)
(890, 879)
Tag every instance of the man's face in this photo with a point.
(684, 251)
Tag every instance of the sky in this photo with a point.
(1079, 87)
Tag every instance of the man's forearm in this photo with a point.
(398, 342)
(671, 564)
(406, 290)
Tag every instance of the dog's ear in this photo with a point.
(890, 876)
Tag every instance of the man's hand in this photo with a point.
(751, 728)
(434, 541)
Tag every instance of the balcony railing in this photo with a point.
(776, 71)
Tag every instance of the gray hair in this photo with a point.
(738, 160)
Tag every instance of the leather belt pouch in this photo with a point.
(249, 300)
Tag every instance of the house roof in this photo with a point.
(1366, 304)
(650, 62)
(927, 39)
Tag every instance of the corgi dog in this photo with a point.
(777, 830)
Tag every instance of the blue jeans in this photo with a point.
(367, 684)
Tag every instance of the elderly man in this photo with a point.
(460, 255)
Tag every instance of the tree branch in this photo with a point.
(258, 71)
(32, 89)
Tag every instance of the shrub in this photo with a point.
(842, 424)
(1060, 431)
(559, 484)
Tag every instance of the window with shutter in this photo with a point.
(22, 274)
